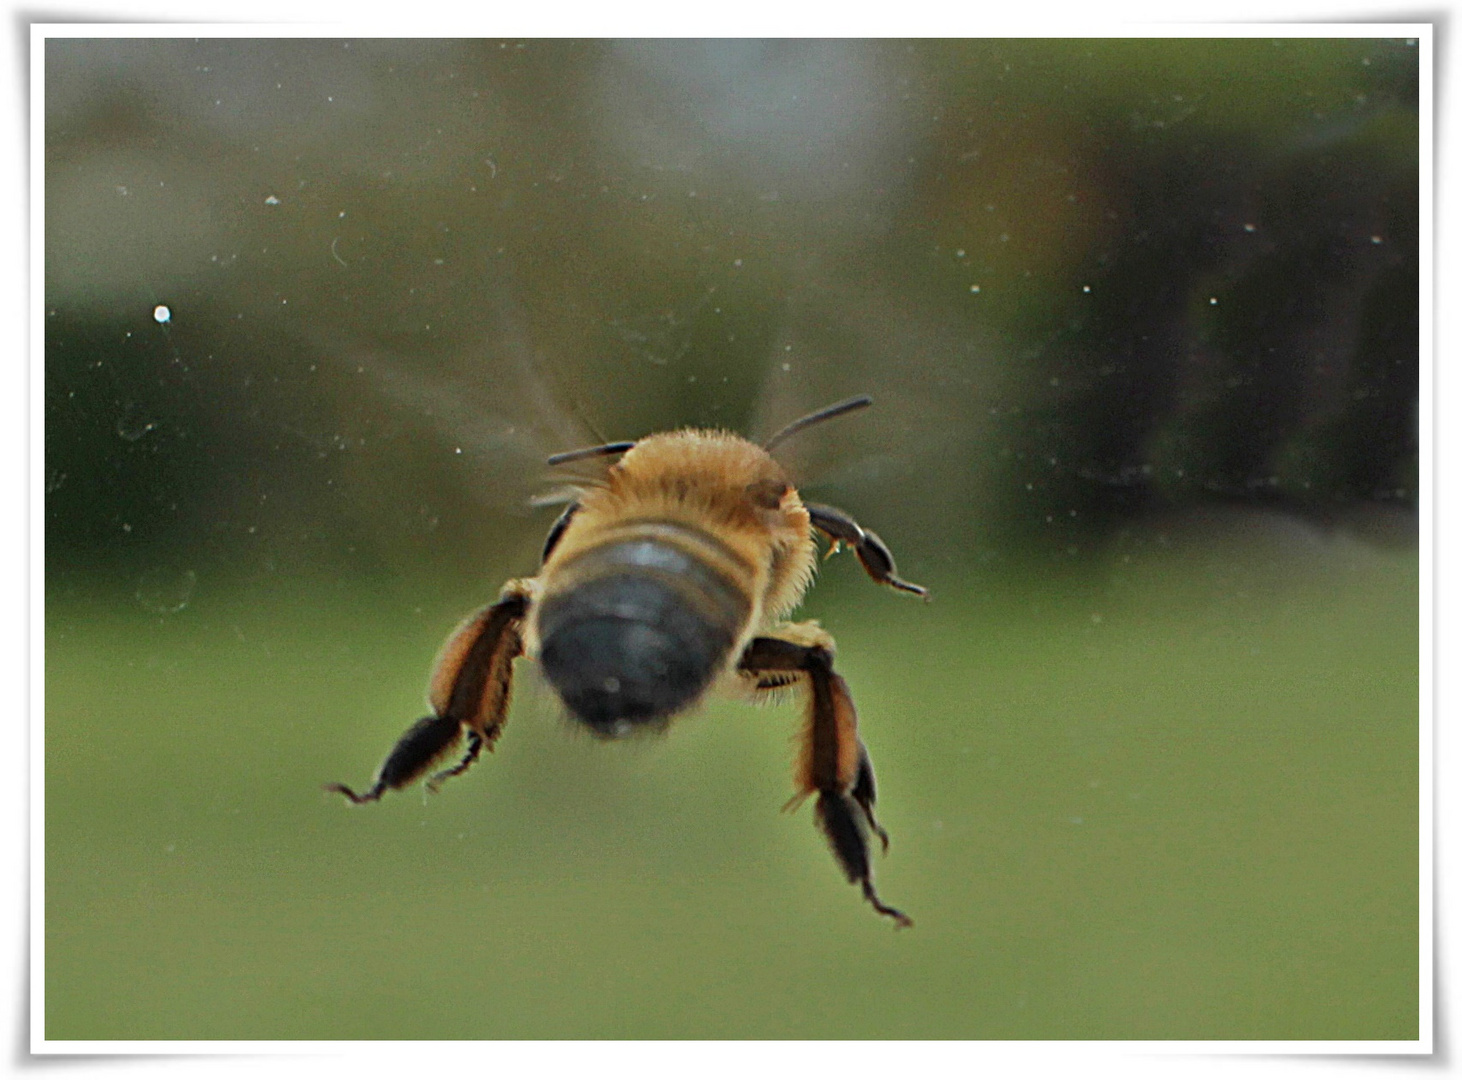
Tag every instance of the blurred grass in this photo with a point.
(1180, 803)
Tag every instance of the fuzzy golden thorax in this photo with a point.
(721, 484)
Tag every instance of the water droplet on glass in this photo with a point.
(166, 590)
(132, 425)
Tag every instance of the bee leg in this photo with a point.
(872, 552)
(425, 741)
(833, 762)
(555, 534)
(475, 743)
(863, 794)
(470, 691)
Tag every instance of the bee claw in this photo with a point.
(901, 921)
(371, 795)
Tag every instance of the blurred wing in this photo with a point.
(841, 340)
(448, 450)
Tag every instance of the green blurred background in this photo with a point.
(1140, 319)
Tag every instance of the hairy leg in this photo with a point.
(833, 762)
(470, 691)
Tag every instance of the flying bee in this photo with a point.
(677, 570)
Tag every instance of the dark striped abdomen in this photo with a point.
(635, 628)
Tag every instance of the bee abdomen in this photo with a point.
(638, 626)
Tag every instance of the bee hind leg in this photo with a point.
(470, 691)
(424, 742)
(838, 819)
(863, 795)
(833, 762)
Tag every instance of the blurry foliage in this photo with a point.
(1084, 279)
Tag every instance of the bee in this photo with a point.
(675, 572)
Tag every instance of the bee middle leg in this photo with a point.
(833, 762)
(470, 691)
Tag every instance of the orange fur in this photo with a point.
(720, 484)
(449, 660)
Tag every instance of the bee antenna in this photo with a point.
(590, 451)
(862, 401)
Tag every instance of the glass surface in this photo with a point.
(1140, 323)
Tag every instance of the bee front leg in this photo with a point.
(872, 552)
(833, 762)
(470, 691)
